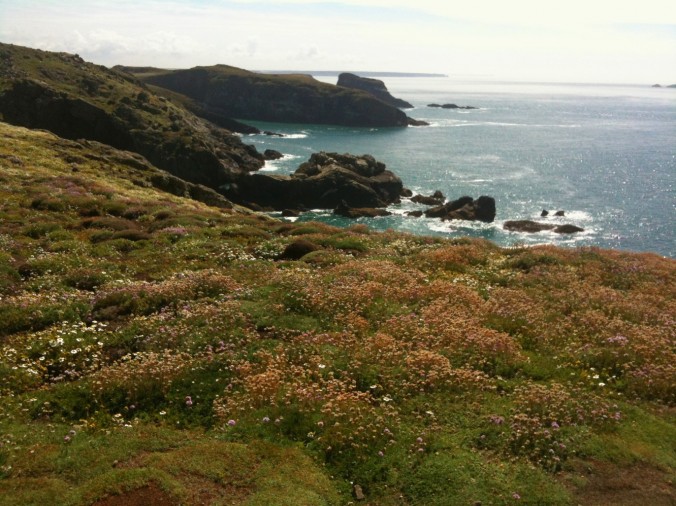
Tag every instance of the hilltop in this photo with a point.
(162, 349)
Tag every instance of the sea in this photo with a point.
(605, 154)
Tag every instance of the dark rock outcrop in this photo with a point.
(417, 122)
(529, 226)
(272, 154)
(323, 182)
(286, 98)
(436, 199)
(359, 212)
(465, 208)
(568, 229)
(375, 87)
(451, 106)
(297, 250)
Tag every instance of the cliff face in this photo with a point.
(75, 99)
(237, 93)
(375, 87)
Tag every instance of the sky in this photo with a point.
(601, 41)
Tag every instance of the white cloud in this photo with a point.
(541, 12)
(576, 40)
(248, 49)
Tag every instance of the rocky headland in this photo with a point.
(375, 87)
(232, 92)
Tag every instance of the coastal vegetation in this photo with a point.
(157, 349)
(161, 344)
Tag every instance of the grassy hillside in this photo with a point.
(159, 350)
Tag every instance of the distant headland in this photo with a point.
(357, 72)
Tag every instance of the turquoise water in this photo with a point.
(605, 154)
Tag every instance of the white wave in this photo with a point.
(272, 165)
(269, 167)
(456, 225)
(578, 216)
(301, 135)
(571, 216)
(455, 123)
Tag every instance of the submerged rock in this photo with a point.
(530, 226)
(451, 106)
(359, 212)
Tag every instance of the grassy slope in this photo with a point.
(147, 339)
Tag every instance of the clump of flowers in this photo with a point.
(428, 371)
(345, 421)
(62, 353)
(547, 420)
(140, 378)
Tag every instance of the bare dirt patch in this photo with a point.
(144, 496)
(603, 484)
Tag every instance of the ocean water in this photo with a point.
(604, 154)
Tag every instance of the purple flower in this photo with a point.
(232, 423)
(381, 454)
(419, 440)
(555, 425)
(188, 400)
(66, 439)
(516, 496)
